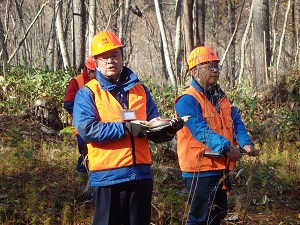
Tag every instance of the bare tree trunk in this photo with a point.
(188, 25)
(296, 21)
(21, 19)
(274, 34)
(233, 26)
(51, 48)
(164, 43)
(60, 34)
(245, 35)
(124, 19)
(115, 7)
(178, 49)
(260, 23)
(26, 33)
(92, 23)
(3, 47)
(3, 33)
(295, 32)
(283, 35)
(79, 25)
(200, 22)
(231, 49)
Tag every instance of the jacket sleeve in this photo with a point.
(240, 131)
(199, 128)
(70, 96)
(87, 120)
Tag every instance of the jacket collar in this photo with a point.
(128, 79)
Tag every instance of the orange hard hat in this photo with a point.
(201, 55)
(105, 41)
(90, 63)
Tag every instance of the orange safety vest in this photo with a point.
(80, 82)
(190, 150)
(119, 153)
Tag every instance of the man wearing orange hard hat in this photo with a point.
(212, 140)
(110, 114)
(88, 73)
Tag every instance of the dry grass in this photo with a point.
(39, 184)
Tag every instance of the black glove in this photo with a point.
(176, 125)
(135, 129)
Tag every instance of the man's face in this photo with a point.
(110, 63)
(207, 74)
(91, 74)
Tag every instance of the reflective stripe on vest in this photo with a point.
(190, 150)
(118, 153)
(80, 82)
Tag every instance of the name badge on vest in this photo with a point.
(128, 114)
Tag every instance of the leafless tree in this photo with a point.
(60, 34)
(199, 36)
(155, 46)
(232, 28)
(178, 42)
(188, 25)
(165, 44)
(51, 52)
(260, 44)
(3, 47)
(243, 43)
(91, 23)
(79, 27)
(26, 33)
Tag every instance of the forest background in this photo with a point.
(45, 43)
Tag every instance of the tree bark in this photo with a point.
(60, 34)
(178, 48)
(200, 22)
(233, 26)
(26, 33)
(79, 26)
(242, 47)
(260, 31)
(124, 19)
(91, 23)
(283, 35)
(24, 46)
(188, 25)
(3, 47)
(295, 31)
(164, 43)
(51, 48)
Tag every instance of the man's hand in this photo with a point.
(234, 154)
(136, 129)
(176, 125)
(251, 150)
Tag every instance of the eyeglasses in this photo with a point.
(113, 57)
(211, 68)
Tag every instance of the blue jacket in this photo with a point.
(188, 105)
(91, 129)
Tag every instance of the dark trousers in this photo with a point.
(208, 201)
(127, 203)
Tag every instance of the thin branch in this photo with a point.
(283, 34)
(26, 33)
(233, 35)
